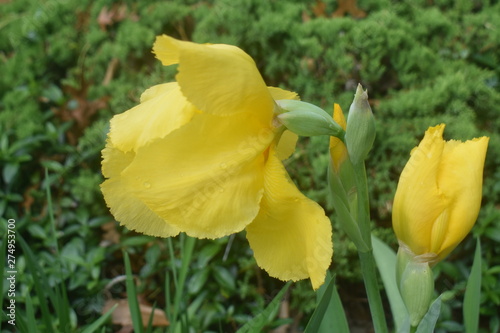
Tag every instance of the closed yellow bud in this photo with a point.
(439, 194)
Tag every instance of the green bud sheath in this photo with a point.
(360, 131)
(417, 287)
(306, 119)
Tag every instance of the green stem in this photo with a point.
(366, 257)
(372, 291)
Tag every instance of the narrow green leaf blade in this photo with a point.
(472, 295)
(263, 318)
(385, 258)
(3, 255)
(40, 283)
(30, 315)
(99, 322)
(133, 304)
(330, 304)
(430, 319)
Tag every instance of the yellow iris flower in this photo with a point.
(439, 194)
(202, 155)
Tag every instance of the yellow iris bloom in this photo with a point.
(202, 155)
(439, 194)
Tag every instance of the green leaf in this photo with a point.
(37, 231)
(385, 258)
(266, 316)
(96, 324)
(472, 295)
(429, 321)
(132, 296)
(10, 171)
(224, 278)
(197, 281)
(330, 304)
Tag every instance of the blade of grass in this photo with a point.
(21, 324)
(266, 316)
(30, 315)
(150, 320)
(3, 253)
(385, 259)
(329, 303)
(472, 295)
(172, 260)
(60, 301)
(40, 283)
(168, 298)
(99, 322)
(132, 296)
(186, 253)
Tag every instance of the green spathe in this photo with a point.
(416, 284)
(306, 119)
(360, 131)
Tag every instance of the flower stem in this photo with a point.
(371, 286)
(366, 257)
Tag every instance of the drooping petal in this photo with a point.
(206, 178)
(217, 78)
(114, 160)
(124, 205)
(460, 178)
(163, 109)
(291, 237)
(419, 202)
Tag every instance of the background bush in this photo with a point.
(68, 66)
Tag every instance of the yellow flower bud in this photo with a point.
(439, 194)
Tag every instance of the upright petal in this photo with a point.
(217, 78)
(291, 237)
(286, 144)
(288, 140)
(163, 109)
(419, 201)
(206, 178)
(338, 150)
(460, 178)
(278, 93)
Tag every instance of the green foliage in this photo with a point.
(64, 60)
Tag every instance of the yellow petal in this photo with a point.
(206, 178)
(218, 79)
(114, 161)
(419, 201)
(124, 205)
(163, 109)
(288, 140)
(291, 237)
(460, 179)
(338, 150)
(278, 93)
(286, 144)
